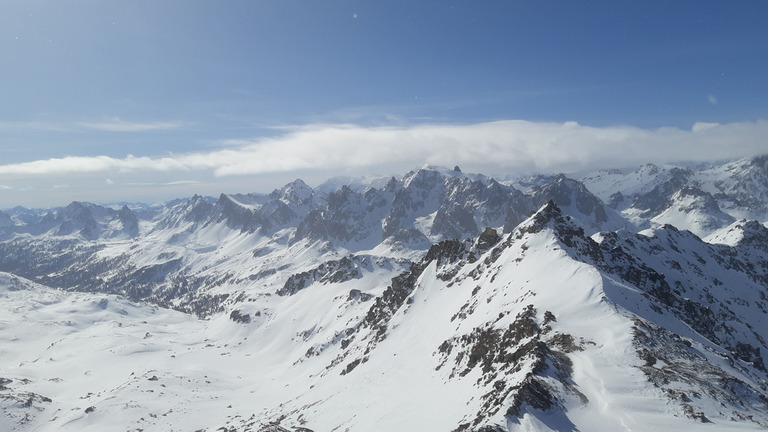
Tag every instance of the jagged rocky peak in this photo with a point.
(753, 165)
(423, 178)
(76, 210)
(753, 232)
(129, 221)
(690, 198)
(570, 193)
(344, 220)
(77, 218)
(454, 221)
(226, 201)
(455, 217)
(392, 185)
(23, 215)
(657, 199)
(296, 193)
(694, 209)
(344, 197)
(549, 216)
(706, 200)
(702, 198)
(743, 183)
(418, 195)
(430, 175)
(749, 232)
(445, 204)
(538, 325)
(647, 170)
(91, 221)
(199, 209)
(239, 215)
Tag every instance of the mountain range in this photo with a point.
(632, 299)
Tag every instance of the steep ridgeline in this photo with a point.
(549, 329)
(390, 308)
(701, 200)
(543, 328)
(200, 254)
(85, 220)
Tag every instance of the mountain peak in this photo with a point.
(500, 308)
(647, 169)
(432, 171)
(742, 232)
(546, 216)
(294, 193)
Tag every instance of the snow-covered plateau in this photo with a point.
(622, 300)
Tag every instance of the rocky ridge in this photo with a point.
(515, 302)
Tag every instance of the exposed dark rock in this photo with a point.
(657, 200)
(335, 271)
(357, 295)
(296, 193)
(265, 428)
(686, 371)
(240, 317)
(351, 366)
(501, 353)
(239, 217)
(749, 354)
(532, 392)
(566, 192)
(488, 238)
(342, 220)
(129, 221)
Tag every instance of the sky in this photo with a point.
(109, 101)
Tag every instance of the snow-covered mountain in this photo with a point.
(700, 200)
(445, 301)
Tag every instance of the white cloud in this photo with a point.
(512, 146)
(117, 125)
(712, 99)
(702, 126)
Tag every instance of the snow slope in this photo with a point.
(437, 301)
(539, 329)
(701, 200)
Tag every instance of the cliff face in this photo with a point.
(440, 301)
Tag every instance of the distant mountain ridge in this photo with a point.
(436, 301)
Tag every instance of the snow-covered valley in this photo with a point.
(440, 301)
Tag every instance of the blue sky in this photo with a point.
(147, 100)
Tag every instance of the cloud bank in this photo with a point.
(510, 146)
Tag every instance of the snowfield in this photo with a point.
(291, 316)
